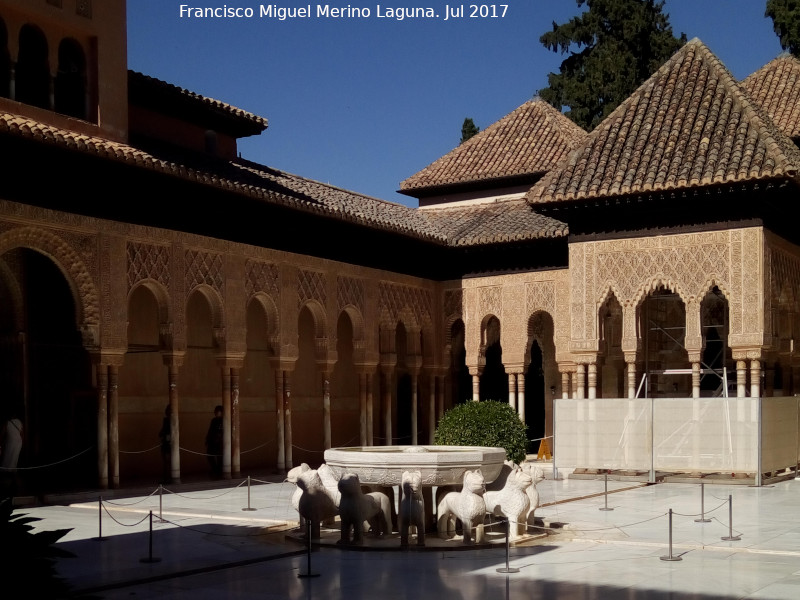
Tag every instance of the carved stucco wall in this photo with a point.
(782, 279)
(689, 264)
(513, 299)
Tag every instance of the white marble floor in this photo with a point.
(210, 548)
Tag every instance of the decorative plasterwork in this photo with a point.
(453, 305)
(395, 298)
(203, 268)
(261, 277)
(490, 300)
(350, 292)
(148, 261)
(311, 286)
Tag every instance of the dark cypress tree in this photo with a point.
(614, 46)
(468, 129)
(785, 15)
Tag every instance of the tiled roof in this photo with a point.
(776, 87)
(151, 84)
(689, 125)
(467, 226)
(530, 140)
(507, 221)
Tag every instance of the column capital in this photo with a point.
(173, 359)
(230, 361)
(110, 357)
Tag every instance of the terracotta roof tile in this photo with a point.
(689, 125)
(498, 222)
(776, 87)
(462, 226)
(530, 140)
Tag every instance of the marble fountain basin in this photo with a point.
(438, 465)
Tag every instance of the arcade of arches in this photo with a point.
(105, 325)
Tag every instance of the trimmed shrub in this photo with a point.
(488, 423)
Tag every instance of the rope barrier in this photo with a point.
(225, 493)
(132, 503)
(73, 457)
(698, 514)
(140, 451)
(119, 522)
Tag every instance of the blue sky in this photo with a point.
(365, 103)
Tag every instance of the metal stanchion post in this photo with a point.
(248, 495)
(605, 495)
(702, 518)
(150, 558)
(160, 503)
(308, 573)
(670, 557)
(100, 537)
(730, 537)
(508, 569)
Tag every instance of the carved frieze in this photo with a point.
(148, 261)
(203, 268)
(311, 286)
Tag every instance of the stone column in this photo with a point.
(630, 372)
(226, 422)
(755, 378)
(279, 418)
(387, 405)
(287, 419)
(521, 396)
(592, 380)
(431, 408)
(580, 380)
(512, 391)
(326, 410)
(741, 378)
(476, 383)
(414, 407)
(113, 425)
(370, 409)
(565, 383)
(173, 364)
(102, 426)
(442, 395)
(236, 442)
(362, 408)
(696, 379)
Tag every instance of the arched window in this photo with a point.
(70, 86)
(33, 71)
(5, 62)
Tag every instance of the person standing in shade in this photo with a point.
(214, 442)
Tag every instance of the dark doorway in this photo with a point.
(534, 398)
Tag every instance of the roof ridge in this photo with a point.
(624, 134)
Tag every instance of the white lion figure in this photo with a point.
(355, 508)
(536, 475)
(314, 505)
(467, 505)
(412, 507)
(292, 477)
(511, 501)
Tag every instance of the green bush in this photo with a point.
(488, 423)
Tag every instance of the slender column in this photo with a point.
(387, 407)
(174, 423)
(741, 378)
(512, 391)
(370, 410)
(102, 426)
(521, 396)
(287, 419)
(414, 408)
(476, 388)
(362, 408)
(443, 389)
(236, 457)
(755, 378)
(565, 385)
(592, 380)
(581, 382)
(326, 410)
(432, 408)
(279, 419)
(695, 380)
(630, 366)
(226, 422)
(113, 425)
(12, 88)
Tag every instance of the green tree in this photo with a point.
(785, 15)
(619, 44)
(468, 129)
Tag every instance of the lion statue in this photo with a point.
(466, 505)
(355, 508)
(511, 501)
(412, 507)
